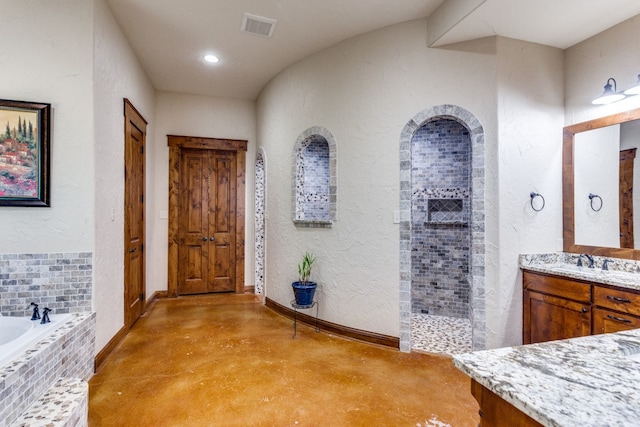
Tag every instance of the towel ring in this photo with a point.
(533, 195)
(594, 196)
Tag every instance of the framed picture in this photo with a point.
(24, 153)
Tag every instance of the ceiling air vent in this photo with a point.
(258, 25)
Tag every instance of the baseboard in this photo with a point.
(249, 289)
(103, 354)
(334, 328)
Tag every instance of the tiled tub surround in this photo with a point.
(60, 281)
(65, 353)
(621, 272)
(440, 219)
(587, 381)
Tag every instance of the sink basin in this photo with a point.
(568, 268)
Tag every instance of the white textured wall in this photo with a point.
(364, 91)
(192, 115)
(588, 65)
(530, 120)
(596, 158)
(46, 56)
(118, 75)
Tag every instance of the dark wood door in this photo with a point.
(548, 318)
(134, 216)
(627, 158)
(207, 218)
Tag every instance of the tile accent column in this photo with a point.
(476, 133)
(260, 198)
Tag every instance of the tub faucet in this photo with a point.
(45, 315)
(36, 312)
(589, 257)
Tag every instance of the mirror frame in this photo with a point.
(568, 198)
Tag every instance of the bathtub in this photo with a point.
(17, 334)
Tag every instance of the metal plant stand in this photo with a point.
(297, 307)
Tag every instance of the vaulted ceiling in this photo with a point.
(171, 37)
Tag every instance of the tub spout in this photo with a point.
(45, 315)
(36, 312)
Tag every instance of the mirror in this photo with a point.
(599, 170)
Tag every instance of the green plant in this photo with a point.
(304, 267)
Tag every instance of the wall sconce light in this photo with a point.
(610, 94)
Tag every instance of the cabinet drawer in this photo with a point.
(558, 286)
(607, 321)
(624, 301)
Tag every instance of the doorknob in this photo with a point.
(132, 250)
(212, 238)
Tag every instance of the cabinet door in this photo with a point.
(548, 318)
(606, 321)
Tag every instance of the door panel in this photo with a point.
(207, 211)
(134, 224)
(627, 158)
(194, 227)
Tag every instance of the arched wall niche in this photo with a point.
(314, 179)
(476, 275)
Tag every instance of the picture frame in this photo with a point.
(25, 144)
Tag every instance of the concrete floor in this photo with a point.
(226, 360)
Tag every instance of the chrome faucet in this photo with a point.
(589, 257)
(605, 264)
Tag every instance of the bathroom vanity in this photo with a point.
(582, 366)
(563, 302)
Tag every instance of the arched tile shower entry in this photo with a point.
(442, 215)
(259, 199)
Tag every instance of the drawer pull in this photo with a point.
(618, 319)
(617, 299)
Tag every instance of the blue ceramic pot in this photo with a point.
(304, 292)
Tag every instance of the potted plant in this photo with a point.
(304, 289)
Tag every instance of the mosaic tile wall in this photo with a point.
(477, 314)
(60, 281)
(314, 178)
(260, 222)
(440, 212)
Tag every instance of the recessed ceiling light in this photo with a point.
(211, 58)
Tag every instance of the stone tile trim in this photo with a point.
(65, 404)
(298, 194)
(67, 352)
(60, 281)
(260, 223)
(477, 279)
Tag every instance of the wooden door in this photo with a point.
(207, 219)
(627, 158)
(134, 215)
(548, 318)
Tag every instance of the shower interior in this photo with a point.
(441, 237)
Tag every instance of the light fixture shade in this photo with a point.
(635, 90)
(609, 95)
(211, 59)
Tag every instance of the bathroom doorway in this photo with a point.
(442, 237)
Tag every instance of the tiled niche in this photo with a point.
(314, 178)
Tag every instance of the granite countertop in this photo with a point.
(622, 273)
(586, 381)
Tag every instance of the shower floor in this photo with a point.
(440, 334)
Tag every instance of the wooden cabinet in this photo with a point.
(555, 308)
(558, 307)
